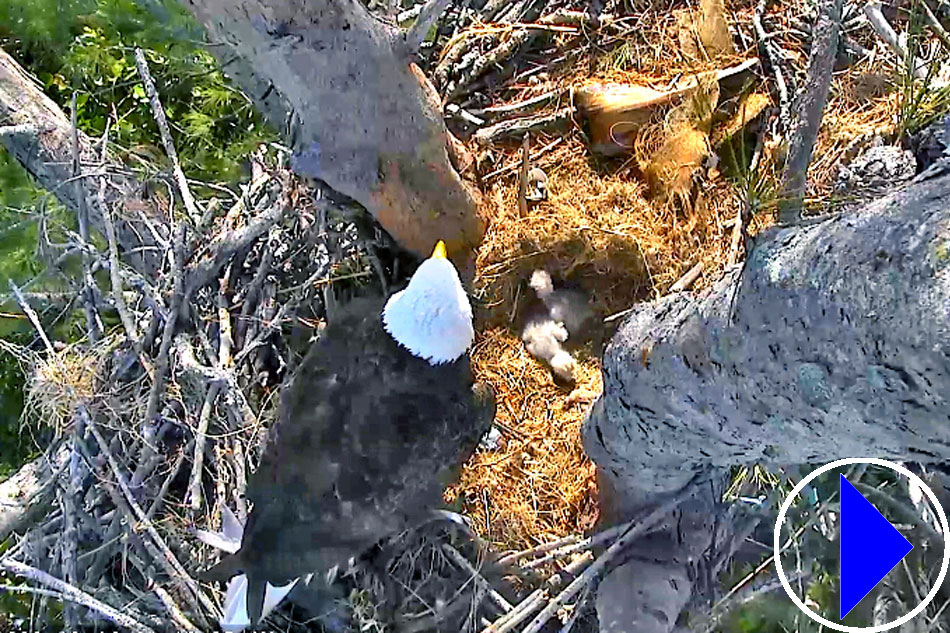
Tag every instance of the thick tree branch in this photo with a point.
(837, 347)
(74, 595)
(26, 495)
(46, 151)
(360, 120)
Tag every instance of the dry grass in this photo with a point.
(604, 228)
(58, 385)
(863, 104)
(598, 229)
(539, 484)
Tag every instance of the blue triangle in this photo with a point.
(870, 547)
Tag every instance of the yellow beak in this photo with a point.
(439, 252)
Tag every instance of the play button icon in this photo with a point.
(870, 546)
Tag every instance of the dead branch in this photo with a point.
(888, 35)
(688, 278)
(227, 245)
(159, 113)
(633, 530)
(517, 127)
(809, 109)
(26, 494)
(773, 57)
(429, 14)
(523, 181)
(43, 145)
(73, 594)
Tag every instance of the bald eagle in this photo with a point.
(372, 425)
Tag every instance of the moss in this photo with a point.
(942, 252)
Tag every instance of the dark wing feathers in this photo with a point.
(365, 436)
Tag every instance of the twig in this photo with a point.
(773, 58)
(88, 284)
(462, 562)
(523, 181)
(536, 599)
(515, 164)
(252, 294)
(428, 16)
(201, 436)
(516, 127)
(578, 608)
(71, 533)
(888, 35)
(457, 111)
(738, 229)
(540, 549)
(159, 498)
(171, 319)
(527, 104)
(177, 616)
(131, 507)
(519, 614)
(724, 607)
(32, 316)
(159, 113)
(584, 544)
(73, 594)
(232, 242)
(687, 280)
(935, 23)
(131, 330)
(634, 530)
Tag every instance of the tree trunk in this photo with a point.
(356, 115)
(839, 346)
(26, 494)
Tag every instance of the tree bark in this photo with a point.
(46, 152)
(838, 346)
(26, 494)
(357, 117)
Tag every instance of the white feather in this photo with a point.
(235, 618)
(432, 317)
(229, 538)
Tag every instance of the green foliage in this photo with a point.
(18, 238)
(86, 46)
(922, 99)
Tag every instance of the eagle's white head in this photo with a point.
(432, 317)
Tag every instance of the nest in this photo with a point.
(537, 485)
(625, 229)
(58, 384)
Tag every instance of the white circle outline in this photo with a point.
(788, 504)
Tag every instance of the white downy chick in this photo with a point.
(537, 185)
(235, 617)
(432, 317)
(568, 307)
(543, 338)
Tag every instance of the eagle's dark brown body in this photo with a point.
(367, 438)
